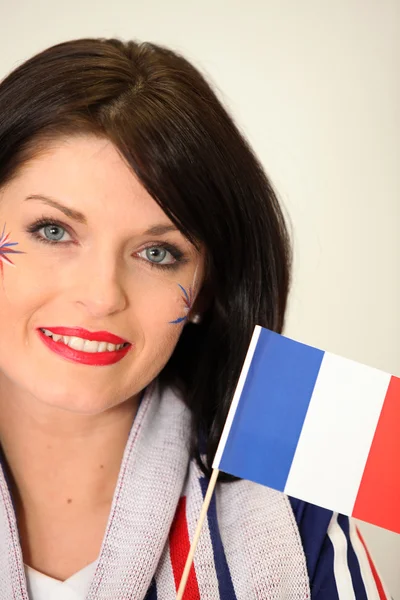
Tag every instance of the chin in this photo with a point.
(79, 399)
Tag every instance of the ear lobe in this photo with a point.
(203, 301)
(195, 318)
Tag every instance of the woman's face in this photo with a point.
(98, 258)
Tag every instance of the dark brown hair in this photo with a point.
(168, 124)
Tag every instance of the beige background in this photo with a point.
(315, 86)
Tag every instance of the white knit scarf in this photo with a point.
(249, 548)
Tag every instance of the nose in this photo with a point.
(100, 289)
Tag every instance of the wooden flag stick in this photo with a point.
(193, 546)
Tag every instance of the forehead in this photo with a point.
(88, 173)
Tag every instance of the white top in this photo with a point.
(42, 587)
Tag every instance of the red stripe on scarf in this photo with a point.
(179, 546)
(377, 579)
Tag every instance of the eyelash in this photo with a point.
(177, 254)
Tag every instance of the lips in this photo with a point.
(96, 336)
(75, 336)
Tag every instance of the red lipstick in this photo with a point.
(85, 358)
(96, 336)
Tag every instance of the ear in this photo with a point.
(203, 300)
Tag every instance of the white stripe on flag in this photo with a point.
(236, 396)
(337, 434)
(341, 570)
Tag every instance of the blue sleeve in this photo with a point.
(333, 561)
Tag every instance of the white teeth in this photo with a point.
(90, 346)
(78, 343)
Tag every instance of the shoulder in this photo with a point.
(261, 540)
(311, 551)
(338, 562)
(251, 536)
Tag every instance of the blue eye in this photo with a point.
(49, 231)
(158, 255)
(53, 233)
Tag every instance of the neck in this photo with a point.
(63, 468)
(57, 458)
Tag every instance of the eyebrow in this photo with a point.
(76, 215)
(160, 229)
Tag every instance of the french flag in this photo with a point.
(318, 427)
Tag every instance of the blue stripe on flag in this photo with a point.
(226, 589)
(271, 411)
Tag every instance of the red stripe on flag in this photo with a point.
(378, 583)
(179, 546)
(378, 497)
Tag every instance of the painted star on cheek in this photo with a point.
(187, 298)
(6, 248)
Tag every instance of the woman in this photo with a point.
(146, 243)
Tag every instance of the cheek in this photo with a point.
(162, 304)
(23, 288)
(160, 313)
(160, 342)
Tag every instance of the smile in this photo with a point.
(79, 345)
